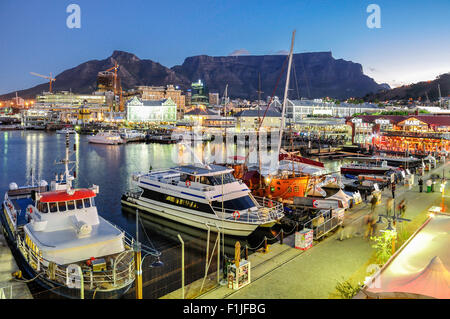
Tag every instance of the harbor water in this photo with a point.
(110, 167)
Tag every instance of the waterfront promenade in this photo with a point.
(288, 273)
(10, 288)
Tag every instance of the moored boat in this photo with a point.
(206, 197)
(61, 242)
(109, 137)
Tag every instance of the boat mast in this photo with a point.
(257, 129)
(285, 92)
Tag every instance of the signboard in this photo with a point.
(356, 120)
(382, 121)
(304, 239)
(316, 203)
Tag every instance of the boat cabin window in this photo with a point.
(79, 203)
(70, 205)
(205, 180)
(62, 206)
(217, 179)
(53, 207)
(87, 202)
(240, 203)
(43, 207)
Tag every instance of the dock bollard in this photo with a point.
(281, 237)
(246, 252)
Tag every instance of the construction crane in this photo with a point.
(116, 68)
(50, 78)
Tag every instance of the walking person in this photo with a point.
(420, 182)
(373, 203)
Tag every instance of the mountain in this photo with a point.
(313, 75)
(415, 91)
(83, 78)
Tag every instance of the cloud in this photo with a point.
(239, 52)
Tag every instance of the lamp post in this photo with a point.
(392, 222)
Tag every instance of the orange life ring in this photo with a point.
(236, 213)
(188, 183)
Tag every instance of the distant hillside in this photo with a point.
(315, 75)
(415, 91)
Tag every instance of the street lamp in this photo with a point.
(392, 221)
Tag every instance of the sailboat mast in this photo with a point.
(286, 92)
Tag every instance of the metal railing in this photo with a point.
(119, 269)
(324, 223)
(267, 211)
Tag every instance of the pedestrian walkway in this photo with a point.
(288, 273)
(10, 288)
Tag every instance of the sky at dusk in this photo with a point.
(411, 45)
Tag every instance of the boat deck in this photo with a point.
(20, 204)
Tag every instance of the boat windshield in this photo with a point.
(217, 179)
(240, 203)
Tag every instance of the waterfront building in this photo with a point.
(413, 134)
(65, 98)
(297, 110)
(249, 119)
(200, 115)
(323, 127)
(140, 110)
(157, 93)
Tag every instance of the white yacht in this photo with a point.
(109, 137)
(59, 238)
(66, 130)
(206, 197)
(131, 135)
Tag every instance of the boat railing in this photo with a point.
(267, 211)
(120, 272)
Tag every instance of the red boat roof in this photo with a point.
(62, 195)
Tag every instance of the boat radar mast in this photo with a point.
(69, 178)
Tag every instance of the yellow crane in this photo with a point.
(50, 78)
(116, 88)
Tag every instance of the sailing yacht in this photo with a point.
(202, 196)
(62, 243)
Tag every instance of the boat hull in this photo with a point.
(284, 188)
(214, 223)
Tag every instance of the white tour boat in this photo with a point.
(66, 130)
(62, 243)
(109, 137)
(206, 197)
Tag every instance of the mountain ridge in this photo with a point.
(314, 74)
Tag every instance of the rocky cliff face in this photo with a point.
(313, 75)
